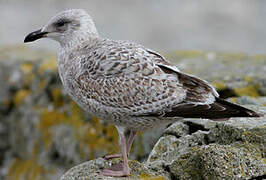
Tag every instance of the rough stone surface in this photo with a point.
(92, 170)
(198, 149)
(43, 133)
(234, 149)
(216, 161)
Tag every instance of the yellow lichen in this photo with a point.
(57, 97)
(189, 53)
(234, 100)
(145, 175)
(49, 64)
(20, 96)
(260, 57)
(219, 85)
(27, 169)
(42, 84)
(28, 75)
(92, 136)
(148, 176)
(248, 79)
(89, 135)
(50, 119)
(247, 91)
(232, 56)
(26, 68)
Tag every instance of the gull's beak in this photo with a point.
(35, 35)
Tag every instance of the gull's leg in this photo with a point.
(123, 169)
(112, 156)
(129, 145)
(130, 141)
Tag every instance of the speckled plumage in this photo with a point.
(119, 82)
(127, 84)
(122, 82)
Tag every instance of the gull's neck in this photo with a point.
(78, 39)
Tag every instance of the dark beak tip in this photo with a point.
(34, 36)
(26, 39)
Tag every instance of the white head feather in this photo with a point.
(70, 26)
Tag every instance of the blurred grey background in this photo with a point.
(42, 133)
(215, 25)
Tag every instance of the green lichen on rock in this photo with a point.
(200, 149)
(233, 149)
(92, 170)
(216, 161)
(43, 133)
(28, 169)
(187, 54)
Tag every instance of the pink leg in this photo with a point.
(130, 141)
(129, 145)
(112, 156)
(124, 169)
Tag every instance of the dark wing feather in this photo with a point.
(218, 110)
(193, 105)
(197, 90)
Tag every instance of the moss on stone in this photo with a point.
(148, 176)
(234, 99)
(232, 56)
(57, 97)
(260, 57)
(27, 70)
(20, 96)
(219, 85)
(28, 169)
(248, 79)
(48, 120)
(49, 64)
(250, 90)
(217, 161)
(145, 175)
(88, 135)
(190, 54)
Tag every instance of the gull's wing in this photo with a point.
(126, 77)
(197, 105)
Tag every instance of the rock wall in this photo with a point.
(197, 149)
(43, 133)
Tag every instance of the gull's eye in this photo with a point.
(61, 23)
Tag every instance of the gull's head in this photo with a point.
(66, 27)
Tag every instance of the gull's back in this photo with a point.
(119, 78)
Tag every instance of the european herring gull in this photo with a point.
(127, 84)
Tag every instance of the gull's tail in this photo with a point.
(219, 110)
(233, 110)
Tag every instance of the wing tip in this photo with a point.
(241, 111)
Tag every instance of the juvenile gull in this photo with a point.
(126, 84)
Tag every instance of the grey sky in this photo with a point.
(235, 26)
